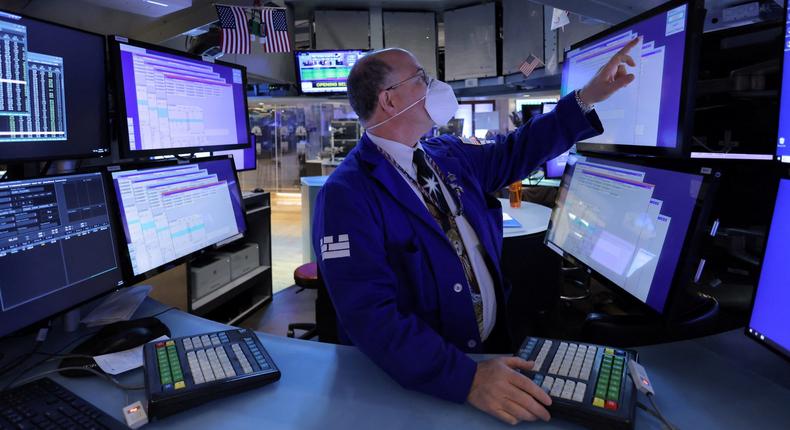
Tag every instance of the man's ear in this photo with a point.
(386, 104)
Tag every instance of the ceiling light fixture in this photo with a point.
(156, 3)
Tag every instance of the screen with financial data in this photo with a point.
(626, 222)
(647, 112)
(53, 95)
(170, 212)
(174, 103)
(57, 246)
(322, 72)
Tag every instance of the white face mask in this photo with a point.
(440, 103)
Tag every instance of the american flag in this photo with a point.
(235, 37)
(276, 30)
(529, 65)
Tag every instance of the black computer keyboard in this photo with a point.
(587, 383)
(45, 404)
(184, 372)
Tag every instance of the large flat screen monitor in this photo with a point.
(53, 91)
(653, 114)
(629, 223)
(170, 212)
(57, 247)
(170, 102)
(325, 72)
(770, 321)
(783, 141)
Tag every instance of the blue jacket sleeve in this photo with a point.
(362, 287)
(513, 156)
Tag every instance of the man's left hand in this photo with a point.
(611, 77)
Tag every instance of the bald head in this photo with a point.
(374, 72)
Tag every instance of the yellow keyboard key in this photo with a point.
(179, 385)
(597, 402)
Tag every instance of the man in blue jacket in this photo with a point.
(408, 235)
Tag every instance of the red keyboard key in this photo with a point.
(160, 345)
(611, 405)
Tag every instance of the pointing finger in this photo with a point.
(623, 81)
(618, 57)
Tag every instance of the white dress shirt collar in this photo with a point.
(402, 154)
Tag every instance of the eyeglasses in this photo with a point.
(420, 73)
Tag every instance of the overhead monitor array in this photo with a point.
(325, 72)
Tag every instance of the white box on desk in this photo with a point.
(243, 259)
(209, 274)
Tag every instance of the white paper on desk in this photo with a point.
(123, 361)
(506, 217)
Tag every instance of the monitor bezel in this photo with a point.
(105, 128)
(113, 231)
(772, 346)
(694, 23)
(689, 257)
(123, 246)
(114, 47)
(254, 155)
(299, 75)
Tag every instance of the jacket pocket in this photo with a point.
(416, 290)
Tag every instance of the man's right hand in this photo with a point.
(500, 390)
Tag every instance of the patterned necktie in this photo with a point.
(428, 180)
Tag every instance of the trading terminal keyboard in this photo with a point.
(45, 404)
(184, 372)
(587, 383)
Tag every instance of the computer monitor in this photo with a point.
(770, 320)
(783, 140)
(556, 166)
(548, 107)
(653, 114)
(243, 159)
(530, 110)
(634, 226)
(325, 72)
(170, 102)
(53, 91)
(169, 211)
(57, 247)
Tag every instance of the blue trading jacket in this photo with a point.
(389, 269)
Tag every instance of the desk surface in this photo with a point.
(534, 218)
(327, 386)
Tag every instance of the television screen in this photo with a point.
(322, 72)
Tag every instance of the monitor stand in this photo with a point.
(113, 337)
(697, 318)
